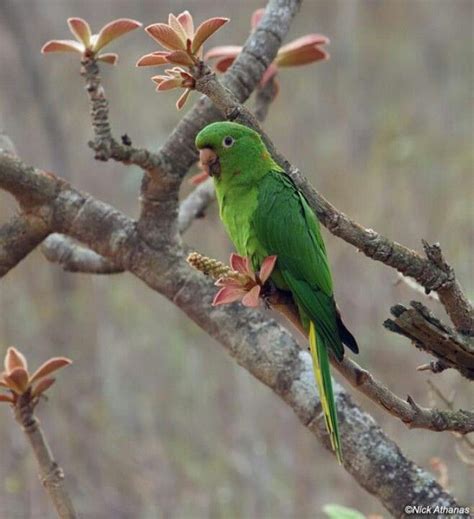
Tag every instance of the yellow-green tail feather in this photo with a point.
(322, 375)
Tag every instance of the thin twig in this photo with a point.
(414, 285)
(104, 144)
(51, 474)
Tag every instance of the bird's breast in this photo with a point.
(236, 214)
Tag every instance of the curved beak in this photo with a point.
(210, 162)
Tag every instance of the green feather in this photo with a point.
(322, 375)
(264, 214)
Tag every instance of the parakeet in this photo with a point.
(265, 214)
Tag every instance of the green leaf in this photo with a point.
(342, 512)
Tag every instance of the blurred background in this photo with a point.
(154, 420)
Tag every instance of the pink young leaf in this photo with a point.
(241, 264)
(81, 30)
(159, 79)
(6, 398)
(256, 17)
(166, 37)
(251, 299)
(205, 31)
(301, 57)
(42, 386)
(50, 366)
(222, 65)
(231, 282)
(182, 99)
(17, 380)
(268, 74)
(223, 51)
(175, 24)
(114, 30)
(109, 57)
(227, 295)
(186, 20)
(266, 269)
(169, 84)
(14, 359)
(62, 46)
(153, 59)
(181, 58)
(309, 40)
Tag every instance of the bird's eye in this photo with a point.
(228, 141)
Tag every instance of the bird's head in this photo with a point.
(231, 151)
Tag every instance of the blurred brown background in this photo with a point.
(153, 420)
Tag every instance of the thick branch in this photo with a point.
(270, 354)
(429, 334)
(18, 238)
(194, 205)
(260, 345)
(76, 258)
(30, 187)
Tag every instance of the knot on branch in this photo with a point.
(54, 476)
(435, 256)
(429, 334)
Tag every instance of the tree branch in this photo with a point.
(194, 205)
(407, 411)
(265, 97)
(51, 474)
(452, 297)
(165, 169)
(73, 257)
(104, 144)
(152, 251)
(259, 344)
(18, 238)
(427, 332)
(433, 273)
(269, 353)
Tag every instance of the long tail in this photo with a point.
(323, 378)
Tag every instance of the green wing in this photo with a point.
(286, 226)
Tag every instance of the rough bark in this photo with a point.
(18, 238)
(432, 272)
(76, 258)
(51, 474)
(257, 343)
(152, 250)
(429, 334)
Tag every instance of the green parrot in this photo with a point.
(265, 214)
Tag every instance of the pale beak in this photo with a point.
(210, 162)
